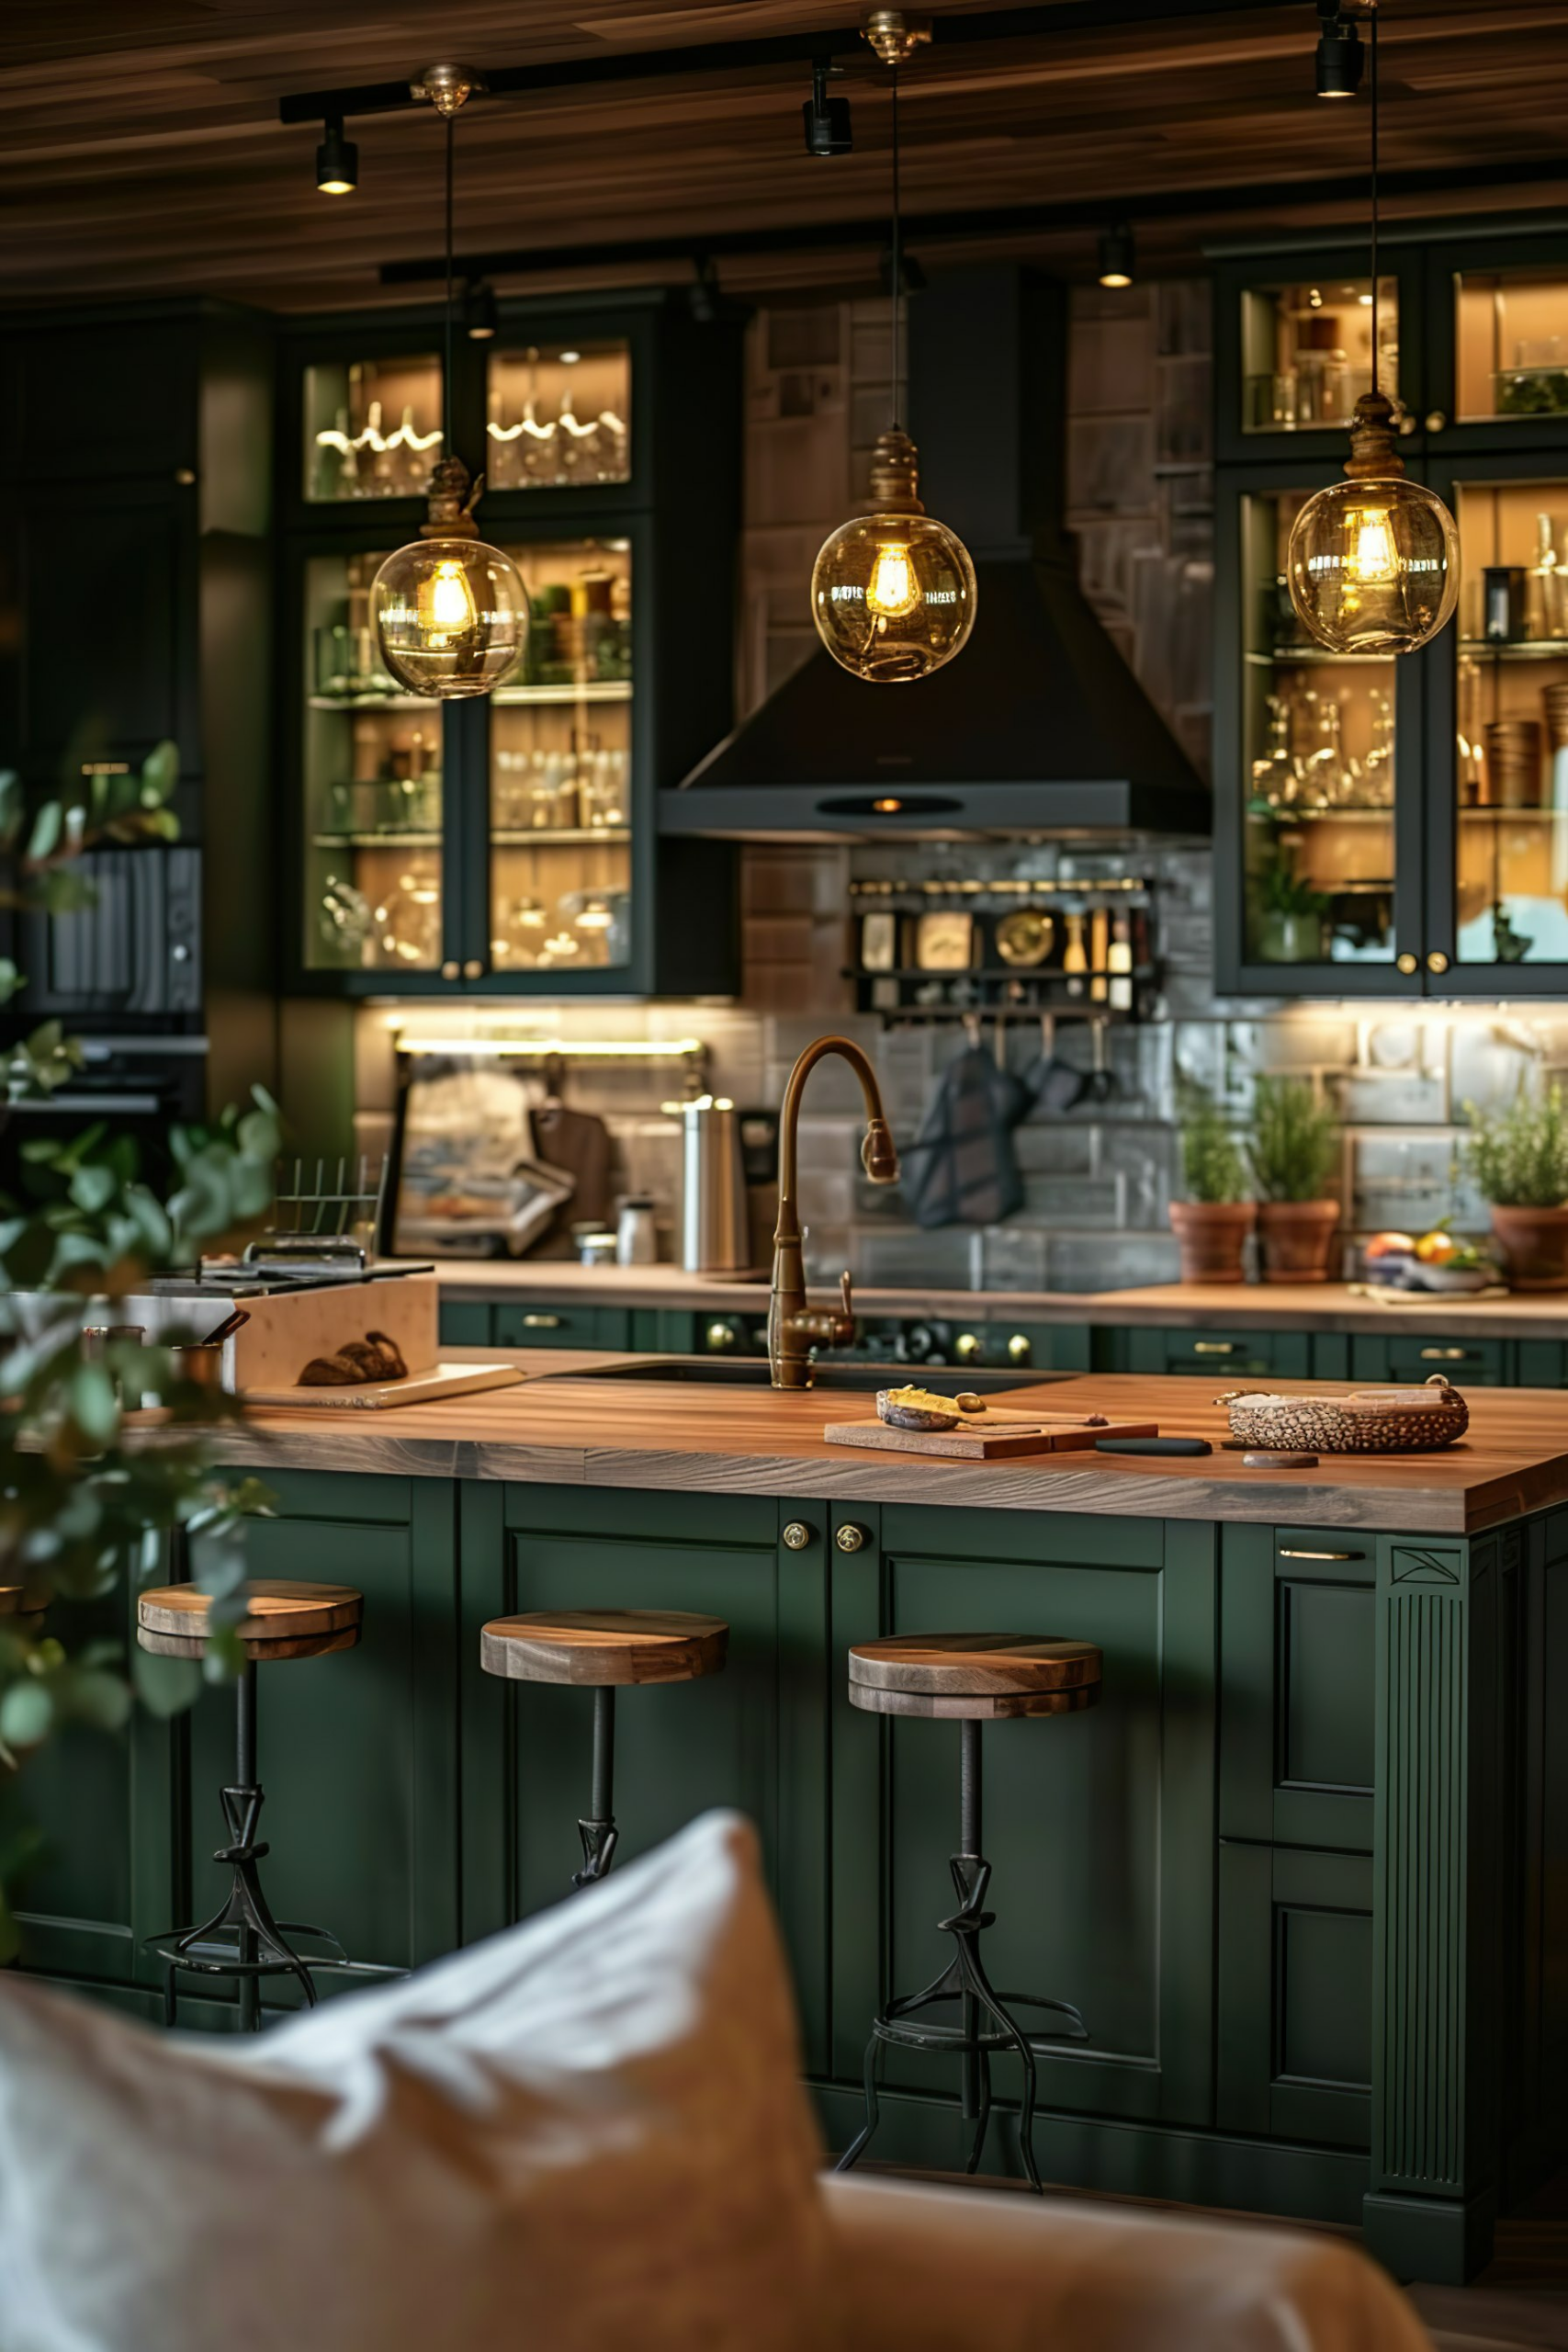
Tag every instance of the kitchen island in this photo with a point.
(1303, 1870)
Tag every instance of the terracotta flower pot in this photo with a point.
(1534, 1244)
(1297, 1236)
(1211, 1236)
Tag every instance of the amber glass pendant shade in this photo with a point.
(451, 613)
(893, 591)
(1373, 561)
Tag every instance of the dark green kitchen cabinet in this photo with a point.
(1223, 1356)
(1394, 828)
(1297, 1728)
(752, 1737)
(1100, 1826)
(507, 845)
(1295, 1994)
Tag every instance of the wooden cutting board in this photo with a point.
(985, 1443)
(380, 1395)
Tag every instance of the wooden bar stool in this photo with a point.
(970, 1678)
(601, 1650)
(243, 1939)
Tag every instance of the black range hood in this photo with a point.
(1038, 726)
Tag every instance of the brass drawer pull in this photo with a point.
(1286, 1554)
(796, 1535)
(1444, 1355)
(543, 1322)
(851, 1539)
(1214, 1347)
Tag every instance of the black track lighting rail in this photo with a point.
(990, 220)
(779, 49)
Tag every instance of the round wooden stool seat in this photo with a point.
(973, 1678)
(284, 1620)
(597, 1648)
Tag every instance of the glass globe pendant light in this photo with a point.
(893, 591)
(1373, 561)
(451, 613)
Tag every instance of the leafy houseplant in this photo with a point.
(1291, 916)
(1518, 1161)
(1213, 1221)
(1293, 1149)
(81, 1506)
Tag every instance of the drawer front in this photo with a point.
(1475, 1361)
(1295, 1994)
(542, 1325)
(465, 1323)
(1298, 1705)
(1035, 1347)
(1223, 1355)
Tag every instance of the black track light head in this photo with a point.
(1340, 55)
(1117, 256)
(481, 319)
(337, 160)
(827, 119)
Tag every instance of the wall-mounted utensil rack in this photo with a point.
(946, 948)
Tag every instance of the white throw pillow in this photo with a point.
(587, 2132)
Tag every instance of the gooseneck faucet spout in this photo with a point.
(794, 1326)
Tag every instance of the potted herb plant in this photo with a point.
(1213, 1222)
(1291, 917)
(1518, 1161)
(1293, 1149)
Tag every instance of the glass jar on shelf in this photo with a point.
(1307, 351)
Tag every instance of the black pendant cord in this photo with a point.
(1376, 385)
(898, 289)
(447, 375)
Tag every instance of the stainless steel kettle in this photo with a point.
(713, 1230)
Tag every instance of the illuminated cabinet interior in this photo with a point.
(1396, 826)
(507, 843)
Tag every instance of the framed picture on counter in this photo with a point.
(465, 1179)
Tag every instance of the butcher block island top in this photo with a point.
(653, 1435)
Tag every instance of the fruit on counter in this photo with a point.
(1390, 1245)
(917, 1408)
(1436, 1248)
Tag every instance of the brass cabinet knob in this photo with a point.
(184, 476)
(1437, 961)
(851, 1539)
(720, 1336)
(967, 1344)
(1436, 419)
(451, 971)
(1407, 963)
(1021, 1347)
(473, 969)
(796, 1535)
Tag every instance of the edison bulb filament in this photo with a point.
(893, 589)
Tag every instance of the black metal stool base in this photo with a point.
(242, 1938)
(903, 2025)
(598, 1834)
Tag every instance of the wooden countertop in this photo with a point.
(1261, 1307)
(564, 1430)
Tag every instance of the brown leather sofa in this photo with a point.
(955, 2268)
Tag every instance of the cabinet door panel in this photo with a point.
(122, 561)
(1097, 1825)
(357, 1750)
(1297, 1643)
(752, 1736)
(545, 1324)
(1295, 1994)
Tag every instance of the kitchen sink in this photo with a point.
(860, 1379)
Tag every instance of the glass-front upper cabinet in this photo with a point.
(1293, 351)
(372, 428)
(1510, 344)
(372, 788)
(1508, 665)
(1318, 733)
(1307, 351)
(560, 767)
(558, 415)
